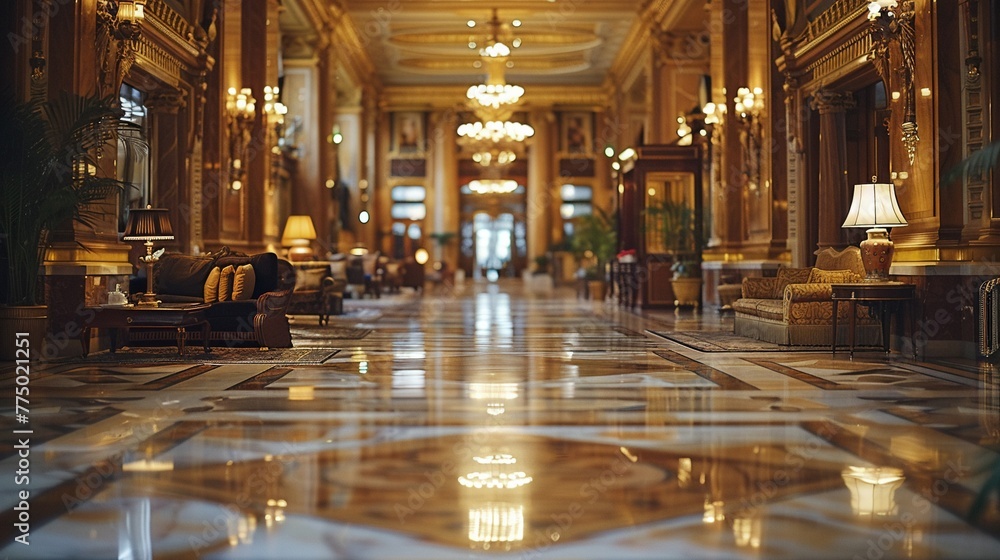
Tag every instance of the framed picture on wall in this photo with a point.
(408, 132)
(577, 132)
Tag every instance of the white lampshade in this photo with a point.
(874, 205)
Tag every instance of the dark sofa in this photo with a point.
(259, 320)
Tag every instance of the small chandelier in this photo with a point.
(493, 186)
(494, 155)
(496, 131)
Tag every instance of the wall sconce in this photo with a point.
(124, 18)
(240, 113)
(891, 22)
(749, 105)
(119, 25)
(274, 110)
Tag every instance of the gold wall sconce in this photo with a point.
(119, 31)
(240, 114)
(749, 106)
(892, 31)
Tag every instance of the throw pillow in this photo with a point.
(211, 290)
(226, 283)
(789, 275)
(309, 278)
(830, 276)
(243, 282)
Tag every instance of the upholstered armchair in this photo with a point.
(317, 291)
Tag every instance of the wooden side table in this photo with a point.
(180, 317)
(887, 298)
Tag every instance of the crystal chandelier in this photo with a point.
(494, 139)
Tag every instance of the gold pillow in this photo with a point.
(831, 276)
(226, 283)
(212, 285)
(243, 282)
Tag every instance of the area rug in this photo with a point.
(724, 341)
(218, 355)
(311, 334)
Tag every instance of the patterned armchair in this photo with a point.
(796, 306)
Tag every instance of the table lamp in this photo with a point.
(875, 207)
(148, 224)
(298, 234)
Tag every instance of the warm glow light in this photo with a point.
(874, 205)
(364, 216)
(496, 522)
(421, 256)
(301, 393)
(873, 490)
(148, 465)
(493, 186)
(627, 153)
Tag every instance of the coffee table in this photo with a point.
(176, 316)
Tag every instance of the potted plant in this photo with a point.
(596, 238)
(675, 222)
(539, 279)
(49, 173)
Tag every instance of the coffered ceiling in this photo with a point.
(562, 42)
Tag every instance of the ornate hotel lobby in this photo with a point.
(485, 421)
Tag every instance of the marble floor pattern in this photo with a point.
(487, 422)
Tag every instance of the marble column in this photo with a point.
(443, 199)
(833, 190)
(538, 203)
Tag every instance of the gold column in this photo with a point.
(443, 200)
(538, 202)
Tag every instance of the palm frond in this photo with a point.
(976, 164)
(42, 143)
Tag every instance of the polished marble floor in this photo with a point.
(486, 422)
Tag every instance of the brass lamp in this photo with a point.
(148, 225)
(875, 207)
(299, 232)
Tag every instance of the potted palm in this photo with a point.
(595, 238)
(49, 173)
(675, 222)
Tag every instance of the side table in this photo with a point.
(886, 298)
(179, 316)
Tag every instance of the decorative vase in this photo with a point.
(29, 319)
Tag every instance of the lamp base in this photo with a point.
(300, 253)
(876, 254)
(148, 300)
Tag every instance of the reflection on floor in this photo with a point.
(483, 421)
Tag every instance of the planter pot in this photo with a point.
(598, 289)
(31, 319)
(538, 283)
(687, 291)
